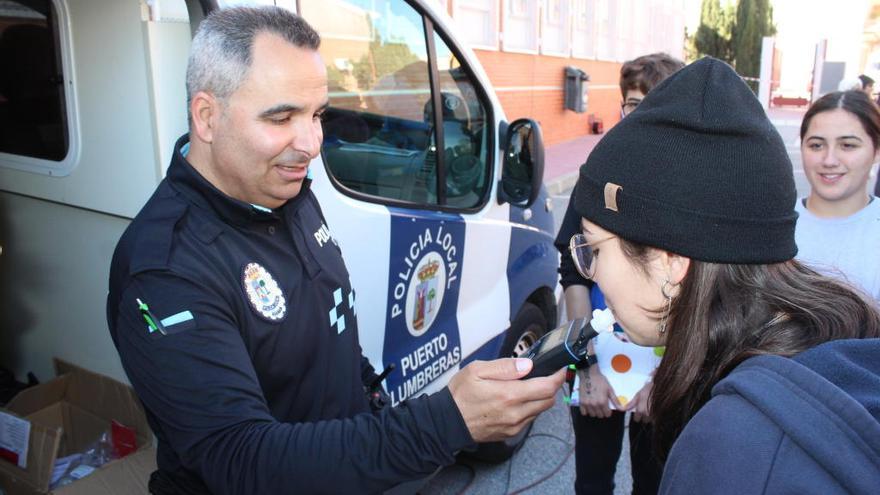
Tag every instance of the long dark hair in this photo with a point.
(854, 102)
(726, 313)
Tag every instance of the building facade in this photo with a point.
(525, 46)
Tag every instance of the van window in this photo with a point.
(379, 136)
(465, 134)
(33, 114)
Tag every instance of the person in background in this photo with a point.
(599, 428)
(838, 227)
(771, 378)
(867, 85)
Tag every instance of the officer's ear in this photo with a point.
(205, 109)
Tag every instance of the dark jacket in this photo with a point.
(571, 225)
(256, 385)
(809, 424)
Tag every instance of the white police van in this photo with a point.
(435, 200)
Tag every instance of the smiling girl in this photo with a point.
(838, 231)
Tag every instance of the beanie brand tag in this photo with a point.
(611, 190)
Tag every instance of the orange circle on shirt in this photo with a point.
(621, 363)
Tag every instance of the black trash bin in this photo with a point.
(576, 89)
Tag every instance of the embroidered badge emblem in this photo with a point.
(263, 292)
(425, 294)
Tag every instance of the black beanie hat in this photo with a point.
(698, 170)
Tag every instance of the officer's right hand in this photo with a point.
(495, 403)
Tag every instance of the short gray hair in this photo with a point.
(221, 52)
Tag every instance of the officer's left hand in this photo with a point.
(495, 403)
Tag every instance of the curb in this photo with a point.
(562, 184)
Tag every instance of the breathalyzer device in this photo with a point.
(567, 344)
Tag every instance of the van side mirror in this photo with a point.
(522, 169)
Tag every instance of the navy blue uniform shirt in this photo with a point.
(254, 383)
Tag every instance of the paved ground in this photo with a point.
(548, 451)
(545, 465)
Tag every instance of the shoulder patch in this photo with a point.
(263, 292)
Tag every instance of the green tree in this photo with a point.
(754, 21)
(713, 34)
(383, 57)
(690, 50)
(710, 37)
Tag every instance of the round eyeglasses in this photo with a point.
(584, 254)
(629, 106)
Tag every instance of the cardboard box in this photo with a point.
(67, 414)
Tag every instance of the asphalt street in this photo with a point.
(547, 452)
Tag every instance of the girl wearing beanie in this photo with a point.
(771, 378)
(621, 380)
(838, 227)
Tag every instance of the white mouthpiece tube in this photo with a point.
(603, 320)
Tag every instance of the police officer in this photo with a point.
(220, 295)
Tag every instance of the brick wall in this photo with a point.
(532, 86)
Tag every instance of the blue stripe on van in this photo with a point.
(421, 325)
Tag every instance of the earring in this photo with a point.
(665, 318)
